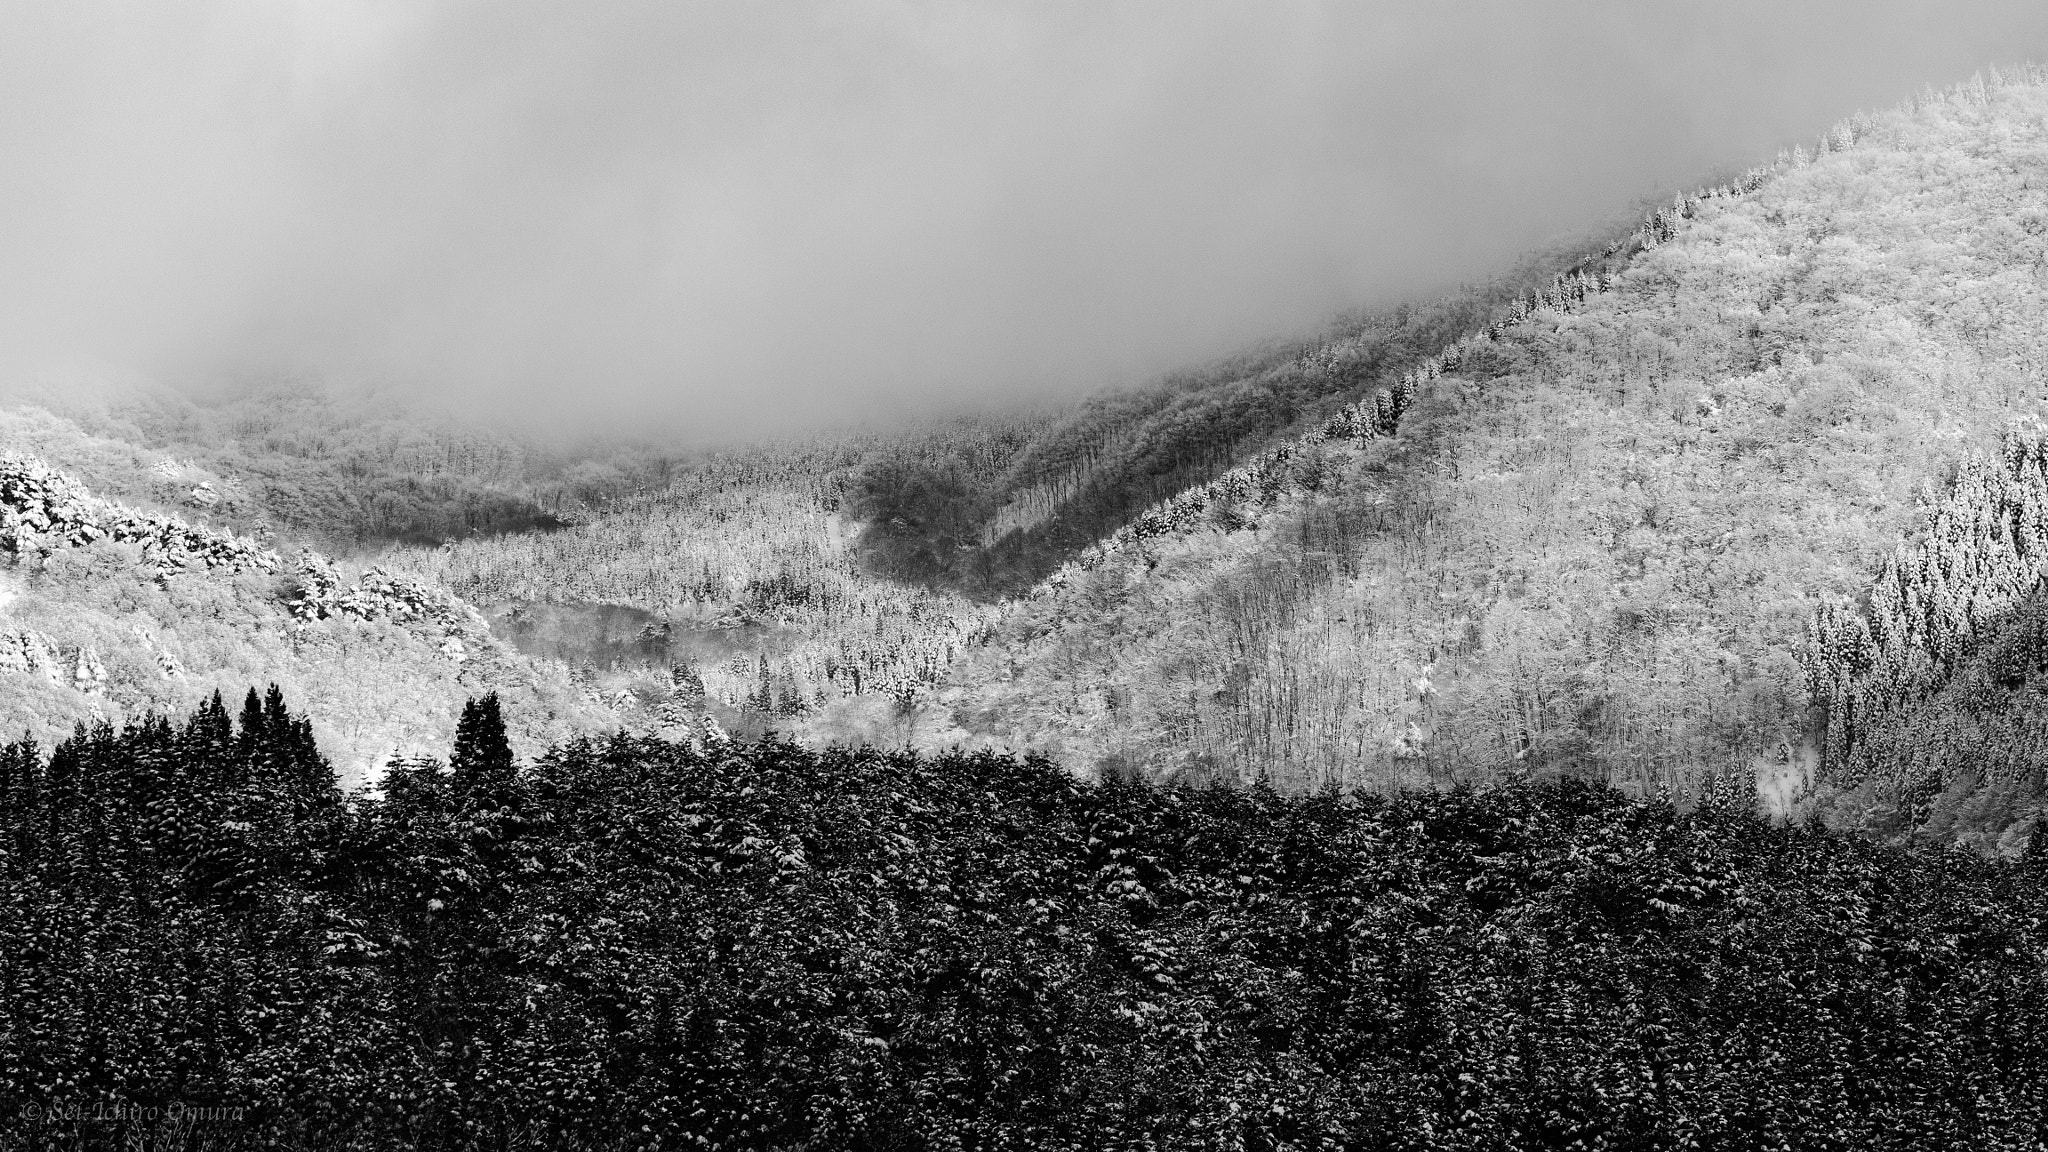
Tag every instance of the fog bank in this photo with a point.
(726, 218)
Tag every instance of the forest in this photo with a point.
(1603, 707)
(640, 943)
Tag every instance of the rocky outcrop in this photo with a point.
(382, 595)
(379, 595)
(316, 594)
(42, 510)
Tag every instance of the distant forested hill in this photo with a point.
(342, 469)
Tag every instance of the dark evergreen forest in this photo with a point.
(634, 943)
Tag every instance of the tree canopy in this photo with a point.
(634, 943)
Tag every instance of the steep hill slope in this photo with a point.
(1598, 538)
(1084, 472)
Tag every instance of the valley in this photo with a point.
(1603, 706)
(1455, 542)
(1462, 541)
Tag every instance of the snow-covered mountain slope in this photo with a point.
(1599, 538)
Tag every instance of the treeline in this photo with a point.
(638, 944)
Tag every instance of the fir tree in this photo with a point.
(482, 758)
(686, 686)
(762, 698)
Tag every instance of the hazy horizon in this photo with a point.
(721, 219)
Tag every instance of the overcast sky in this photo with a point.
(725, 217)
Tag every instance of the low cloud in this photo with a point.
(721, 218)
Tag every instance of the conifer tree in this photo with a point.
(482, 758)
(762, 698)
(20, 795)
(252, 728)
(209, 740)
(686, 686)
(2035, 856)
(789, 696)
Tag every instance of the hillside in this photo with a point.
(1086, 471)
(1600, 535)
(109, 613)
